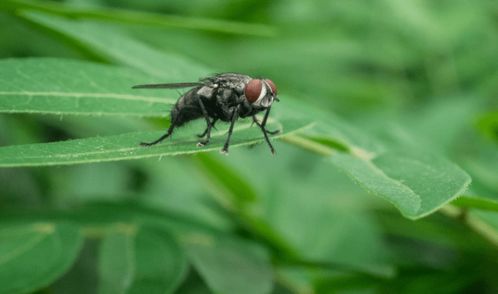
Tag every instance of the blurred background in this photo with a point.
(418, 74)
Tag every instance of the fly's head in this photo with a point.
(260, 93)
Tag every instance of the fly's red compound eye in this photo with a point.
(253, 89)
(272, 86)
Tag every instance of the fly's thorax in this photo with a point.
(206, 91)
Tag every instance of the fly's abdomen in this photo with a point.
(187, 108)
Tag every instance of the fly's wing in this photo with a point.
(168, 85)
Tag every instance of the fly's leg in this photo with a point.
(213, 122)
(209, 126)
(207, 131)
(168, 133)
(235, 115)
(203, 133)
(255, 121)
(265, 132)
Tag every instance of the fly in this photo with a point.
(226, 97)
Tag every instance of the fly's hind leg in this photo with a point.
(209, 126)
(175, 119)
(168, 133)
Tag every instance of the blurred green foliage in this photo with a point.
(392, 98)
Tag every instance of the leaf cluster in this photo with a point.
(385, 178)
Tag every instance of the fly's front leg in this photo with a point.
(265, 132)
(209, 124)
(235, 115)
(255, 121)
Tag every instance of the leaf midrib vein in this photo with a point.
(25, 247)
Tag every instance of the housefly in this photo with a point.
(225, 97)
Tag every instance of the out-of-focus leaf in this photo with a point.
(488, 124)
(143, 18)
(140, 260)
(485, 223)
(178, 189)
(33, 255)
(427, 280)
(439, 234)
(234, 193)
(59, 86)
(480, 160)
(126, 146)
(299, 210)
(114, 45)
(229, 265)
(226, 182)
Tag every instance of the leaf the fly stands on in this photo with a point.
(125, 146)
(51, 247)
(58, 86)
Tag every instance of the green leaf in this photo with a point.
(484, 223)
(234, 193)
(229, 265)
(126, 146)
(488, 124)
(114, 45)
(33, 255)
(300, 210)
(143, 18)
(480, 160)
(57, 86)
(140, 260)
(224, 181)
(416, 185)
